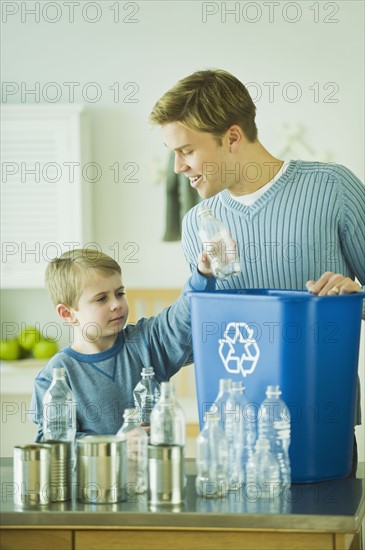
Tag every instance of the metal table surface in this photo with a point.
(336, 506)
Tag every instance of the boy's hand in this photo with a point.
(204, 266)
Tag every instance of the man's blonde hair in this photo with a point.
(66, 276)
(208, 101)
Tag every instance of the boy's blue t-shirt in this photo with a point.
(103, 383)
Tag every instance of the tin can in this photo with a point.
(32, 474)
(60, 469)
(102, 469)
(166, 474)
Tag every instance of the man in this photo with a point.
(296, 224)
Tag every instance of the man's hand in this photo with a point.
(332, 284)
(204, 266)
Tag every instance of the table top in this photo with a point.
(336, 506)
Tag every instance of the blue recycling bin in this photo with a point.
(307, 344)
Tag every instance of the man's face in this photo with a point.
(200, 158)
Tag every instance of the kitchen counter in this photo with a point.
(319, 515)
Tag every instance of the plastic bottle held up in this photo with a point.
(235, 429)
(59, 411)
(146, 394)
(137, 444)
(220, 402)
(218, 244)
(212, 478)
(167, 419)
(262, 473)
(274, 425)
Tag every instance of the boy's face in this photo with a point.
(198, 155)
(102, 309)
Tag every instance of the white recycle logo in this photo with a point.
(238, 349)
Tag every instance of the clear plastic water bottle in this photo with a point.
(250, 430)
(218, 244)
(137, 444)
(235, 429)
(146, 394)
(220, 402)
(274, 425)
(59, 411)
(262, 473)
(167, 419)
(212, 478)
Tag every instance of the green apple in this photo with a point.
(9, 350)
(44, 349)
(28, 337)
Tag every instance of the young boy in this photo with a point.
(104, 362)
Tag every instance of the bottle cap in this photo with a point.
(168, 389)
(273, 390)
(238, 386)
(203, 209)
(58, 372)
(147, 370)
(225, 383)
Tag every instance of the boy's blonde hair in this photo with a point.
(66, 276)
(208, 101)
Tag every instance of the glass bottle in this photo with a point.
(274, 425)
(167, 419)
(137, 443)
(218, 244)
(59, 411)
(146, 394)
(212, 478)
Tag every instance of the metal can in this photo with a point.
(60, 469)
(102, 469)
(32, 474)
(166, 474)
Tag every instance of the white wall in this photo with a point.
(317, 46)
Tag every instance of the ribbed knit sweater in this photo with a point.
(311, 220)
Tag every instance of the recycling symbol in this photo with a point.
(238, 349)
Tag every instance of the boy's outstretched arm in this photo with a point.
(167, 336)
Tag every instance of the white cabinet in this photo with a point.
(47, 177)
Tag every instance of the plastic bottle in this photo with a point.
(220, 402)
(235, 429)
(218, 244)
(137, 442)
(274, 425)
(59, 411)
(146, 394)
(262, 473)
(167, 419)
(212, 478)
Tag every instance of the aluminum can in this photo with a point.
(102, 469)
(61, 472)
(32, 474)
(166, 474)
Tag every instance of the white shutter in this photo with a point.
(45, 203)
